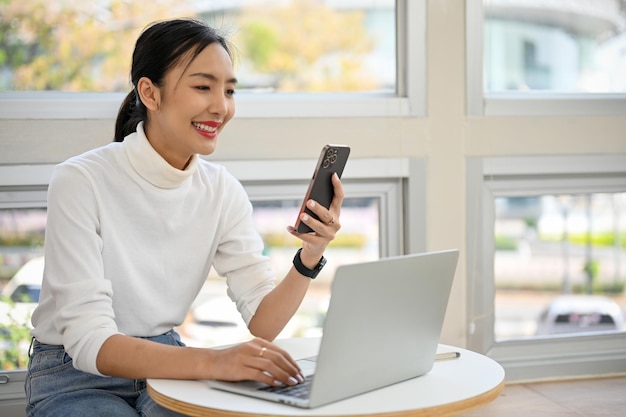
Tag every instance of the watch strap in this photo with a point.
(303, 270)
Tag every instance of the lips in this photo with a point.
(208, 127)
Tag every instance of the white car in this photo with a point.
(21, 294)
(579, 314)
(26, 283)
(19, 299)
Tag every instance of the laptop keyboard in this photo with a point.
(299, 391)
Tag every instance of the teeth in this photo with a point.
(204, 127)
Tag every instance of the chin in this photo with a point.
(207, 150)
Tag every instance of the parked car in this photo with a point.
(21, 294)
(580, 313)
(19, 298)
(25, 285)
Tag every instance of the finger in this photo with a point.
(274, 362)
(278, 375)
(285, 356)
(324, 215)
(335, 205)
(321, 230)
(281, 365)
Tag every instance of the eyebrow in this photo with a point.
(213, 77)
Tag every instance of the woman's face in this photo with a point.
(192, 106)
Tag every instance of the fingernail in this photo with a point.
(300, 378)
(305, 217)
(311, 204)
(277, 383)
(292, 380)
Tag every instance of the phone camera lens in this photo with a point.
(326, 163)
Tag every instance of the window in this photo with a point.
(372, 226)
(280, 46)
(560, 46)
(559, 264)
(282, 54)
(546, 264)
(21, 248)
(558, 57)
(214, 319)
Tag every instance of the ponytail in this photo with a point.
(131, 112)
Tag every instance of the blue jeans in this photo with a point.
(55, 388)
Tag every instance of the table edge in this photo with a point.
(443, 410)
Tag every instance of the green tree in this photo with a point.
(294, 42)
(74, 45)
(14, 337)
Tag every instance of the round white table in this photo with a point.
(451, 387)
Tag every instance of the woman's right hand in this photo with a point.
(256, 360)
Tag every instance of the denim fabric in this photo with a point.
(55, 388)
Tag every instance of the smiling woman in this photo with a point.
(205, 73)
(187, 110)
(146, 215)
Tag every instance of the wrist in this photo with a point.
(306, 267)
(308, 260)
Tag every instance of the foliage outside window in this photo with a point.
(21, 240)
(14, 337)
(280, 46)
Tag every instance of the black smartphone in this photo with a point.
(332, 159)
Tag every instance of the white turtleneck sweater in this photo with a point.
(130, 241)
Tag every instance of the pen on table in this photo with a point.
(447, 355)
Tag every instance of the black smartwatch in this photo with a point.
(311, 273)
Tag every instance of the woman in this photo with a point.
(133, 229)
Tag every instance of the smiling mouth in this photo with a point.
(205, 127)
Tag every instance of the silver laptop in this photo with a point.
(383, 326)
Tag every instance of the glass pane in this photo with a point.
(572, 46)
(21, 272)
(280, 46)
(560, 264)
(213, 318)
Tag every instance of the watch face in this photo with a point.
(321, 264)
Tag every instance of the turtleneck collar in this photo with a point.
(147, 162)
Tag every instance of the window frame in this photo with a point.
(538, 357)
(408, 100)
(480, 103)
(397, 183)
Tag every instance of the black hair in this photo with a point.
(160, 47)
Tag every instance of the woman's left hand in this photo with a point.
(324, 230)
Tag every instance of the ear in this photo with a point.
(149, 94)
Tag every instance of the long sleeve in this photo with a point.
(130, 241)
(74, 273)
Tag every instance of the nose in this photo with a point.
(219, 105)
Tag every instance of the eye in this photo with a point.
(230, 92)
(203, 87)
